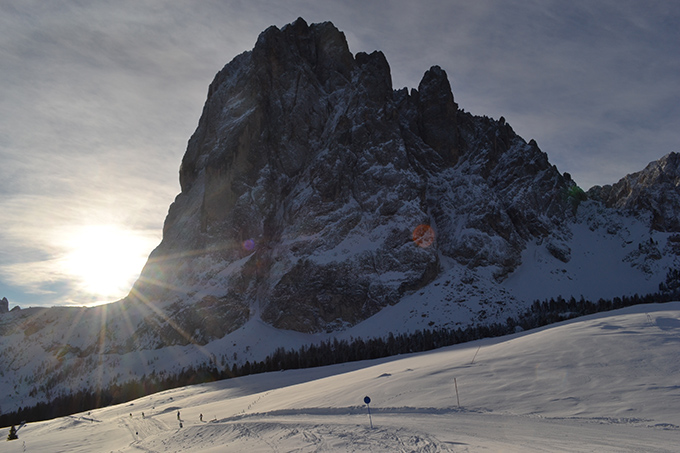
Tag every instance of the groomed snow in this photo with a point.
(602, 264)
(607, 382)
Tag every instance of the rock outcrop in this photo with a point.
(653, 192)
(308, 173)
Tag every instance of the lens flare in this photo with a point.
(423, 236)
(249, 244)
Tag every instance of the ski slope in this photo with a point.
(607, 382)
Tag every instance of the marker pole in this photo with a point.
(473, 359)
(457, 397)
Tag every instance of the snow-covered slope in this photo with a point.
(605, 382)
(609, 254)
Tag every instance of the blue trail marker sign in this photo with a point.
(367, 400)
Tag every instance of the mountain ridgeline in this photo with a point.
(654, 191)
(308, 173)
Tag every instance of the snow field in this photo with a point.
(606, 382)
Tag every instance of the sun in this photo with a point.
(105, 260)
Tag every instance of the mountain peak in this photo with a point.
(321, 46)
(309, 156)
(438, 114)
(653, 192)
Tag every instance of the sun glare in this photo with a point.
(106, 259)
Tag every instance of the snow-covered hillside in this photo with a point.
(606, 254)
(606, 382)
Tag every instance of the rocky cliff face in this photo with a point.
(652, 192)
(308, 173)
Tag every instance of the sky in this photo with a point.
(98, 100)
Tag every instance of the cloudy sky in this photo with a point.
(98, 100)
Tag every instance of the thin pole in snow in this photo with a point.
(457, 397)
(473, 359)
(370, 419)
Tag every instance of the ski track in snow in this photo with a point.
(602, 383)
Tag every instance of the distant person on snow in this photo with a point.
(200, 417)
(178, 416)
